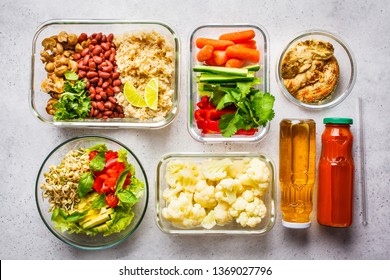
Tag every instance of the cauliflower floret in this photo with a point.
(172, 193)
(181, 212)
(205, 194)
(258, 171)
(248, 209)
(222, 216)
(227, 190)
(238, 167)
(215, 170)
(209, 221)
(182, 174)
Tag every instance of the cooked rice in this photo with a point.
(141, 56)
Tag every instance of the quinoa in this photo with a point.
(141, 56)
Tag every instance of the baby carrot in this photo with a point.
(243, 53)
(205, 53)
(238, 37)
(217, 44)
(234, 63)
(220, 57)
(248, 44)
(211, 62)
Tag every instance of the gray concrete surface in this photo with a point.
(25, 141)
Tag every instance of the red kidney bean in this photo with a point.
(115, 114)
(107, 113)
(112, 99)
(98, 97)
(82, 37)
(99, 36)
(104, 38)
(82, 74)
(110, 37)
(92, 74)
(86, 59)
(91, 113)
(94, 80)
(99, 90)
(84, 52)
(119, 108)
(109, 91)
(113, 50)
(95, 112)
(105, 85)
(100, 82)
(97, 50)
(105, 46)
(107, 68)
(108, 105)
(92, 90)
(93, 42)
(92, 96)
(99, 115)
(105, 117)
(115, 75)
(103, 95)
(121, 115)
(112, 57)
(107, 54)
(116, 83)
(116, 89)
(92, 65)
(104, 75)
(97, 59)
(100, 105)
(76, 56)
(94, 104)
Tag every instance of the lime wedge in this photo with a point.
(151, 93)
(132, 95)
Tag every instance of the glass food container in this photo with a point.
(38, 98)
(346, 63)
(214, 31)
(169, 163)
(81, 240)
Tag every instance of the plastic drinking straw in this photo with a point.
(362, 164)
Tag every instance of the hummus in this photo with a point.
(310, 71)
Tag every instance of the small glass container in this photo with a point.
(347, 69)
(214, 31)
(38, 99)
(230, 228)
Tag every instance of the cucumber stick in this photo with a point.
(221, 70)
(212, 78)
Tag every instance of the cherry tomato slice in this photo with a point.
(112, 200)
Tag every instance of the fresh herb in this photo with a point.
(71, 76)
(76, 216)
(126, 196)
(98, 162)
(74, 103)
(85, 184)
(99, 202)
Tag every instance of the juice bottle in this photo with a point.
(335, 174)
(297, 163)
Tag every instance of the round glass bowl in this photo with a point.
(347, 68)
(80, 240)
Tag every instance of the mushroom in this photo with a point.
(60, 48)
(63, 37)
(49, 43)
(72, 66)
(60, 60)
(60, 71)
(72, 39)
(59, 86)
(45, 56)
(47, 85)
(49, 67)
(50, 106)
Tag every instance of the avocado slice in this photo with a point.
(96, 217)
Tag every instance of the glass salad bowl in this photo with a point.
(140, 51)
(342, 86)
(190, 186)
(197, 88)
(49, 192)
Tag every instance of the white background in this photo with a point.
(25, 141)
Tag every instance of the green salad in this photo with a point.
(92, 191)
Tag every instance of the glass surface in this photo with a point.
(214, 31)
(345, 59)
(38, 99)
(83, 241)
(231, 228)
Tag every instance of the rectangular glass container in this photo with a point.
(214, 31)
(230, 228)
(38, 98)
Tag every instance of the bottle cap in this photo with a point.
(296, 225)
(338, 121)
